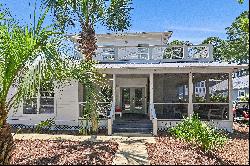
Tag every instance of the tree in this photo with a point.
(218, 47)
(237, 45)
(180, 42)
(27, 56)
(113, 14)
(244, 22)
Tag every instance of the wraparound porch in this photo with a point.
(166, 96)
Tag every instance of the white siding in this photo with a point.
(67, 112)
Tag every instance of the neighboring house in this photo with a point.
(240, 86)
(148, 78)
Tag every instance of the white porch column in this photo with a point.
(190, 94)
(151, 93)
(114, 92)
(230, 93)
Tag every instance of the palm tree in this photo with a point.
(113, 14)
(27, 55)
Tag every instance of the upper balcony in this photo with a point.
(162, 53)
(146, 47)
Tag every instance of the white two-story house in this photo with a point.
(147, 77)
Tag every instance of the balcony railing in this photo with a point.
(155, 52)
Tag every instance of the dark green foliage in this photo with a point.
(193, 130)
(218, 98)
(236, 47)
(218, 47)
(113, 14)
(45, 125)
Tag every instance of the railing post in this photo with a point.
(114, 92)
(185, 52)
(230, 88)
(155, 127)
(116, 53)
(190, 95)
(150, 53)
(151, 92)
(210, 52)
(110, 126)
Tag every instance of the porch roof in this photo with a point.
(173, 65)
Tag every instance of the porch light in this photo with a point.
(104, 75)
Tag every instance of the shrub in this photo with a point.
(193, 130)
(45, 125)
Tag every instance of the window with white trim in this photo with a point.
(43, 103)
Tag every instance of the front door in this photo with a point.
(133, 100)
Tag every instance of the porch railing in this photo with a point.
(104, 109)
(155, 52)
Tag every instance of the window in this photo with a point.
(202, 83)
(241, 93)
(43, 103)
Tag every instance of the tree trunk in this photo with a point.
(87, 41)
(6, 145)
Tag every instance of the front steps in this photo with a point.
(128, 127)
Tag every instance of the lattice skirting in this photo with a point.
(102, 125)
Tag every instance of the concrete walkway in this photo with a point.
(131, 150)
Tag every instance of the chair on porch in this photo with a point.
(118, 110)
(217, 113)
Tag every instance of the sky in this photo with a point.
(190, 20)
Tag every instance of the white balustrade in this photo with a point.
(155, 52)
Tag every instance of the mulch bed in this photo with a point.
(171, 151)
(63, 152)
(62, 132)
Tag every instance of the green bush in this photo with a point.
(218, 98)
(244, 98)
(45, 125)
(193, 130)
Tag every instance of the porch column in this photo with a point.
(190, 95)
(151, 93)
(114, 92)
(230, 90)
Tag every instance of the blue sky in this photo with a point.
(192, 20)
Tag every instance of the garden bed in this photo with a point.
(171, 151)
(63, 152)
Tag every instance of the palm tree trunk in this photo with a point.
(87, 46)
(6, 145)
(87, 41)
(6, 139)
